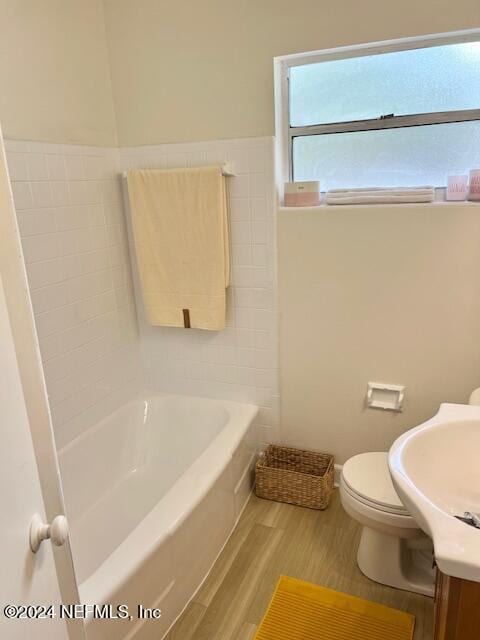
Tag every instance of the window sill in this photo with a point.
(337, 207)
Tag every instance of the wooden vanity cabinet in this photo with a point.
(457, 608)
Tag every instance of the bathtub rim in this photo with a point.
(162, 521)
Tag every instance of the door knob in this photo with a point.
(57, 532)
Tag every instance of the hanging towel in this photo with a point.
(180, 229)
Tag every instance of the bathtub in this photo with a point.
(152, 494)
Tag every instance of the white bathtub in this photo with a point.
(152, 494)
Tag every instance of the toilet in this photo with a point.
(393, 550)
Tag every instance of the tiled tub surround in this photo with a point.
(241, 362)
(70, 215)
(70, 211)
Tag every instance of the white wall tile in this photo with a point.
(239, 186)
(257, 160)
(240, 209)
(17, 165)
(241, 232)
(238, 156)
(41, 194)
(40, 247)
(48, 298)
(74, 167)
(22, 195)
(259, 209)
(196, 159)
(259, 231)
(242, 254)
(60, 193)
(56, 167)
(36, 166)
(260, 255)
(88, 346)
(42, 274)
(36, 221)
(49, 347)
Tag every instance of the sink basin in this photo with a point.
(435, 468)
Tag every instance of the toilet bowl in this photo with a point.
(393, 550)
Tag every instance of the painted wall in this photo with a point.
(166, 56)
(185, 71)
(54, 72)
(385, 294)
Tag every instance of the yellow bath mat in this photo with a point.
(303, 611)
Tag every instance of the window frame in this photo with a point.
(282, 85)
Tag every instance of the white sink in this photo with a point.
(435, 468)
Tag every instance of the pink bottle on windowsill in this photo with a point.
(474, 189)
(457, 188)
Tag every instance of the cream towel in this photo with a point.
(380, 195)
(180, 228)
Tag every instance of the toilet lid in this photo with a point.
(368, 476)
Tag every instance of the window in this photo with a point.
(382, 118)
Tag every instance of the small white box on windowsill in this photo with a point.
(302, 194)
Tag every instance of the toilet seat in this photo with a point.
(388, 510)
(366, 478)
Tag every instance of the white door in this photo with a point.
(26, 578)
(29, 477)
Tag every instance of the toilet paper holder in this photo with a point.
(385, 396)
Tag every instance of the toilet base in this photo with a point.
(396, 562)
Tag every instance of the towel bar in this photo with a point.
(227, 170)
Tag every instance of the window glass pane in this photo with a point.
(410, 156)
(445, 78)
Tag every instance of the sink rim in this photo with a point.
(456, 545)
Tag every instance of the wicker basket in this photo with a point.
(295, 476)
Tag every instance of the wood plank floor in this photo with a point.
(272, 539)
